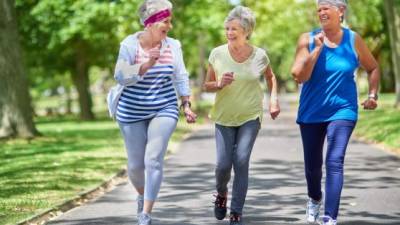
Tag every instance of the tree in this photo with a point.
(72, 36)
(278, 26)
(16, 119)
(199, 31)
(392, 10)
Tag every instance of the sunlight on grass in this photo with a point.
(381, 125)
(70, 158)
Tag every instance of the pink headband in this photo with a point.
(157, 17)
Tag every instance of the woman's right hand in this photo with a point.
(227, 79)
(154, 54)
(319, 39)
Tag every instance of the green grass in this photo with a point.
(70, 158)
(381, 125)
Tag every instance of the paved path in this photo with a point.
(277, 189)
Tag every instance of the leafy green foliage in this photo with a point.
(53, 30)
(199, 24)
(279, 24)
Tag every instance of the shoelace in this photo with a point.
(220, 201)
(312, 207)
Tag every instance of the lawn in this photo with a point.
(381, 125)
(71, 157)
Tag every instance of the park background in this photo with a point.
(56, 66)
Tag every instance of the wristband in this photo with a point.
(373, 96)
(185, 103)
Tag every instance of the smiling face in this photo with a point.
(234, 32)
(329, 15)
(160, 29)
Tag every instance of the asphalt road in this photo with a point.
(277, 189)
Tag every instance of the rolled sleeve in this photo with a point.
(181, 75)
(125, 72)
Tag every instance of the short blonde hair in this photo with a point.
(245, 16)
(151, 7)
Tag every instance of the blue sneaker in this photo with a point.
(312, 211)
(327, 220)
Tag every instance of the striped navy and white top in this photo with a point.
(154, 95)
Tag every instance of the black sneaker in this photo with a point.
(235, 219)
(220, 206)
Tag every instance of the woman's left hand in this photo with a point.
(370, 104)
(189, 115)
(274, 109)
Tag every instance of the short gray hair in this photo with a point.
(245, 16)
(150, 7)
(337, 3)
(341, 4)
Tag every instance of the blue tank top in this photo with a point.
(331, 92)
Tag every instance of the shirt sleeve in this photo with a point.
(211, 58)
(126, 73)
(181, 80)
(260, 62)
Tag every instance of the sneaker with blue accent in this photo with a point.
(144, 219)
(327, 220)
(312, 211)
(140, 204)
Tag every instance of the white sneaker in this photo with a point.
(144, 219)
(140, 203)
(327, 220)
(312, 211)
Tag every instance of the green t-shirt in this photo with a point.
(242, 100)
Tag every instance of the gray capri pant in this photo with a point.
(146, 142)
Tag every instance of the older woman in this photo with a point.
(325, 63)
(149, 71)
(234, 73)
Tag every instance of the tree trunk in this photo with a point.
(16, 114)
(80, 77)
(201, 73)
(392, 10)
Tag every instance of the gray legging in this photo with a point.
(234, 146)
(146, 142)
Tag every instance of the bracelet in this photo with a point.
(373, 96)
(185, 103)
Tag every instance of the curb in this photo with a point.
(86, 196)
(378, 145)
(79, 200)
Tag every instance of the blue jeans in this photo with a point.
(338, 134)
(234, 146)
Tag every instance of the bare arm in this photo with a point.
(368, 62)
(211, 83)
(272, 84)
(304, 61)
(187, 111)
